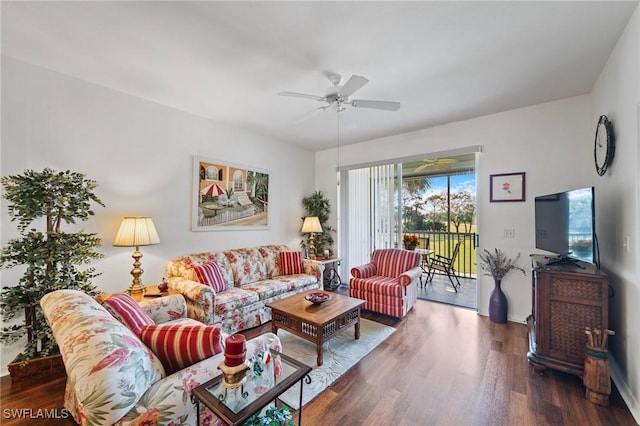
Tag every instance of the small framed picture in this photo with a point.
(506, 187)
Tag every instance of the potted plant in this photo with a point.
(410, 241)
(318, 205)
(496, 264)
(51, 257)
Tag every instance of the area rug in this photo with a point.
(340, 353)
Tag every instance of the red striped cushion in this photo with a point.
(127, 311)
(179, 346)
(290, 262)
(211, 275)
(393, 262)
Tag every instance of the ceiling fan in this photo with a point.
(340, 96)
(436, 163)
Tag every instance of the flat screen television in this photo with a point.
(565, 224)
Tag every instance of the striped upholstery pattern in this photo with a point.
(128, 312)
(179, 345)
(290, 262)
(364, 271)
(389, 283)
(211, 275)
(393, 262)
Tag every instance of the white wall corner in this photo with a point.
(625, 391)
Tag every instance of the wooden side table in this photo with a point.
(139, 297)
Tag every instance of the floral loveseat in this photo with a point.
(112, 377)
(253, 277)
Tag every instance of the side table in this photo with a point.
(331, 279)
(236, 406)
(151, 291)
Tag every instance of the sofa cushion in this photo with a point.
(248, 266)
(268, 288)
(179, 346)
(210, 274)
(234, 298)
(127, 311)
(290, 262)
(270, 254)
(392, 262)
(377, 285)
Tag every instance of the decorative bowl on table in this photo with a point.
(317, 297)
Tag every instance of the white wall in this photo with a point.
(140, 153)
(551, 143)
(617, 95)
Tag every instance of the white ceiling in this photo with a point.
(227, 61)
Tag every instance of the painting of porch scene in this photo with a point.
(231, 196)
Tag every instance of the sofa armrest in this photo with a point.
(364, 271)
(199, 298)
(163, 309)
(313, 267)
(407, 277)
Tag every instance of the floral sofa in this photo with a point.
(112, 377)
(253, 277)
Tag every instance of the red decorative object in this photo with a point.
(235, 350)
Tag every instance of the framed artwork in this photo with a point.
(228, 196)
(506, 187)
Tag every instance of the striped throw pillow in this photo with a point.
(211, 275)
(179, 345)
(127, 311)
(290, 262)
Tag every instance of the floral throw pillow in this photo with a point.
(211, 275)
(180, 345)
(290, 262)
(127, 311)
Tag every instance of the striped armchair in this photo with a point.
(389, 282)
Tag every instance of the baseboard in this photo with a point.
(623, 388)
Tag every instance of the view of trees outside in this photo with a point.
(428, 211)
(425, 208)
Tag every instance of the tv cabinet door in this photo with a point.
(566, 303)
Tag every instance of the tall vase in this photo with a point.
(498, 305)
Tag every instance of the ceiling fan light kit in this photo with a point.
(340, 96)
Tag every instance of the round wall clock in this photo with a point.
(604, 146)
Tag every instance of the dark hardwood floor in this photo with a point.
(442, 366)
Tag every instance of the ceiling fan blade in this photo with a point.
(353, 84)
(302, 95)
(389, 106)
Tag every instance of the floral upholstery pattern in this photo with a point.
(113, 378)
(271, 254)
(248, 266)
(163, 309)
(254, 279)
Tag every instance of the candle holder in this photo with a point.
(233, 377)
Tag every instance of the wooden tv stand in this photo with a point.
(565, 300)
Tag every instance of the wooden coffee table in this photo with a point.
(316, 323)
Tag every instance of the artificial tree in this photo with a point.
(318, 205)
(52, 258)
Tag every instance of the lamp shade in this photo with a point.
(311, 224)
(135, 232)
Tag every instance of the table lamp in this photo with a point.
(311, 225)
(136, 232)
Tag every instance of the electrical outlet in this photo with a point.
(625, 244)
(509, 233)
